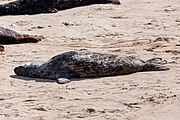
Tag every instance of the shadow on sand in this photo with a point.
(50, 80)
(73, 79)
(32, 79)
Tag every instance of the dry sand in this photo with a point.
(131, 28)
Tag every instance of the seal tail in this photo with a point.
(155, 64)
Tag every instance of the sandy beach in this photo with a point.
(143, 28)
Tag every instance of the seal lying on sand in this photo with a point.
(8, 36)
(82, 64)
(45, 6)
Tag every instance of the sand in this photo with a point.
(143, 28)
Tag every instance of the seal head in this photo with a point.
(28, 69)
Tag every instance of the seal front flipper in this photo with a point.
(63, 80)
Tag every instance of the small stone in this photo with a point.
(90, 110)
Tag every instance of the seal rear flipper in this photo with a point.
(154, 67)
(63, 80)
(155, 64)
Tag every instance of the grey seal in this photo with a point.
(8, 36)
(21, 7)
(83, 64)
